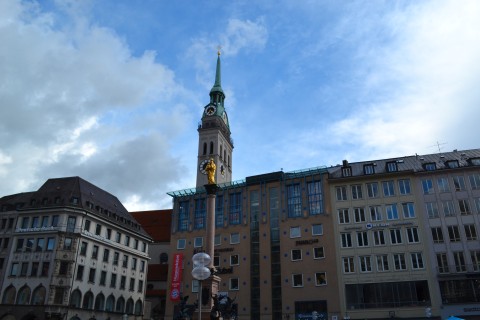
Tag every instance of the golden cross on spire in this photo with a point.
(219, 48)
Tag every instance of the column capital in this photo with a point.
(211, 188)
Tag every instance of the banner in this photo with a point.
(176, 277)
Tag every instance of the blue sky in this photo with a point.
(113, 90)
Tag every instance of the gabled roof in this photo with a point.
(157, 223)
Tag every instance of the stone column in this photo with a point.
(212, 284)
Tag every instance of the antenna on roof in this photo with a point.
(438, 144)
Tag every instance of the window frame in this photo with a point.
(297, 280)
(294, 253)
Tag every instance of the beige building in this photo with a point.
(274, 245)
(407, 243)
(74, 253)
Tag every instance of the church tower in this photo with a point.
(214, 139)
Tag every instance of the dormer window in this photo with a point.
(392, 166)
(346, 169)
(474, 161)
(452, 164)
(430, 166)
(347, 172)
(369, 168)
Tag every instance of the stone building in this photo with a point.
(74, 252)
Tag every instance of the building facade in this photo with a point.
(74, 253)
(407, 240)
(157, 223)
(274, 245)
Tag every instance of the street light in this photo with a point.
(200, 272)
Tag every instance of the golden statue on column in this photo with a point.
(210, 169)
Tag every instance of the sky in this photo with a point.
(113, 90)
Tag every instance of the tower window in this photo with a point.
(204, 148)
(211, 147)
(221, 151)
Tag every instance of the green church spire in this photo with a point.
(216, 94)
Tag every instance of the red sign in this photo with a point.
(176, 277)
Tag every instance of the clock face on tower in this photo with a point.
(203, 165)
(210, 111)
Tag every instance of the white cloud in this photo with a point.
(62, 84)
(244, 35)
(419, 82)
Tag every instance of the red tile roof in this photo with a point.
(157, 223)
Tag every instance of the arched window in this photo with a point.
(23, 296)
(9, 295)
(224, 155)
(129, 309)
(221, 151)
(88, 301)
(110, 303)
(138, 307)
(163, 258)
(228, 162)
(211, 147)
(120, 305)
(99, 302)
(204, 148)
(38, 296)
(76, 299)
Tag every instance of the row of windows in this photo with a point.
(99, 303)
(234, 216)
(94, 254)
(443, 184)
(7, 224)
(296, 254)
(375, 213)
(459, 262)
(454, 233)
(320, 279)
(23, 269)
(383, 262)
(108, 234)
(39, 222)
(296, 232)
(198, 241)
(448, 207)
(102, 281)
(369, 168)
(222, 152)
(379, 237)
(373, 190)
(24, 296)
(392, 166)
(314, 198)
(297, 281)
(36, 244)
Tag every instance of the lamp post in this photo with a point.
(200, 272)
